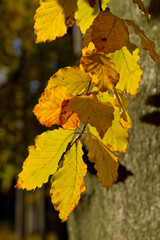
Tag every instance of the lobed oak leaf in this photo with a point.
(146, 43)
(142, 8)
(104, 75)
(87, 12)
(94, 112)
(53, 17)
(105, 160)
(128, 68)
(49, 108)
(73, 78)
(43, 158)
(109, 32)
(68, 183)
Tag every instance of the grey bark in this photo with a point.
(131, 208)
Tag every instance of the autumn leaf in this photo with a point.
(122, 103)
(146, 43)
(107, 28)
(87, 12)
(92, 111)
(128, 68)
(73, 78)
(53, 17)
(142, 8)
(43, 158)
(49, 109)
(105, 160)
(104, 75)
(68, 183)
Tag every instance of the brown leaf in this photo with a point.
(109, 32)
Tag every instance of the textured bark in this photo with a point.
(131, 208)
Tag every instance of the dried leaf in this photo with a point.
(142, 7)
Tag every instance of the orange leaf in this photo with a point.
(101, 67)
(48, 109)
(109, 32)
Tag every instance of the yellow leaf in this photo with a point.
(128, 68)
(141, 6)
(146, 43)
(104, 75)
(105, 160)
(94, 112)
(109, 32)
(49, 108)
(87, 12)
(68, 183)
(53, 17)
(117, 137)
(122, 103)
(73, 78)
(43, 158)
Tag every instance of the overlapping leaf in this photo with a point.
(146, 43)
(128, 68)
(43, 158)
(94, 112)
(73, 78)
(87, 11)
(122, 103)
(106, 29)
(68, 183)
(49, 108)
(53, 17)
(142, 7)
(105, 160)
(104, 75)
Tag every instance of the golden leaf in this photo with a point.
(128, 68)
(49, 108)
(146, 43)
(43, 158)
(105, 160)
(87, 12)
(104, 75)
(68, 183)
(94, 112)
(109, 32)
(73, 78)
(53, 17)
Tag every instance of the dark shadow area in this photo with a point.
(154, 8)
(154, 100)
(152, 118)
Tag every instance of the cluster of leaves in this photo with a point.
(86, 100)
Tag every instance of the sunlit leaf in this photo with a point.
(68, 183)
(104, 75)
(146, 43)
(53, 17)
(128, 68)
(43, 158)
(105, 160)
(87, 12)
(94, 112)
(73, 78)
(109, 32)
(49, 108)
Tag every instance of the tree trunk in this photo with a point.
(131, 208)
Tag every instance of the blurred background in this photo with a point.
(25, 69)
